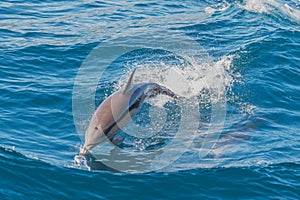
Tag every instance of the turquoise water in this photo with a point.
(248, 52)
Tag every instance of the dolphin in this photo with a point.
(115, 112)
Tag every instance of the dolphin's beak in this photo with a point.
(83, 151)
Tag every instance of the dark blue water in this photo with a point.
(252, 47)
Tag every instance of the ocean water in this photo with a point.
(234, 135)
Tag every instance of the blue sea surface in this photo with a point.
(252, 45)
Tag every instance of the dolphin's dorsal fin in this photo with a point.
(129, 83)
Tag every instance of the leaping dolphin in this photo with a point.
(117, 110)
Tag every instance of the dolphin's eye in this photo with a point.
(96, 128)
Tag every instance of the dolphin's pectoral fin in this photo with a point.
(117, 140)
(157, 89)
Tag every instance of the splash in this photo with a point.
(269, 6)
(259, 6)
(204, 85)
(289, 10)
(80, 162)
(187, 80)
(164, 129)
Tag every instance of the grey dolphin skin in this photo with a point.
(117, 110)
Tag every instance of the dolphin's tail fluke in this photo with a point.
(157, 89)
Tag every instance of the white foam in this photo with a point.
(187, 80)
(259, 6)
(210, 10)
(293, 12)
(267, 6)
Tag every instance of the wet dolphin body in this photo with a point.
(117, 110)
